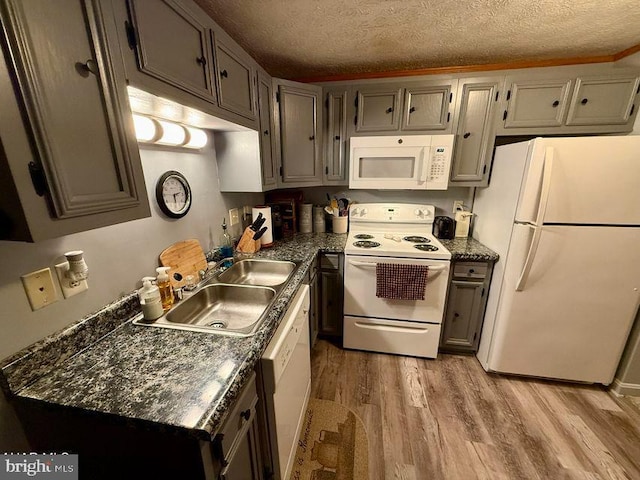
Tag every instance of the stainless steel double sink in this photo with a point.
(234, 302)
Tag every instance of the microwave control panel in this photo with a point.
(438, 168)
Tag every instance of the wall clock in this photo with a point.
(173, 194)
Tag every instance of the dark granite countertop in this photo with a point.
(469, 249)
(174, 380)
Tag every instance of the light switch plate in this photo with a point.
(39, 288)
(234, 217)
(456, 204)
(65, 283)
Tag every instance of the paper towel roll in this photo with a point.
(267, 238)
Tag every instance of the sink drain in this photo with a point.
(217, 325)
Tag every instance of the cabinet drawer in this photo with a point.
(330, 261)
(242, 411)
(470, 270)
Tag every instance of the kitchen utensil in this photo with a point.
(329, 210)
(444, 227)
(247, 244)
(260, 233)
(185, 258)
(255, 225)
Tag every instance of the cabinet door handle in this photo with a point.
(471, 270)
(90, 66)
(456, 315)
(266, 132)
(201, 61)
(246, 414)
(467, 135)
(224, 74)
(412, 109)
(390, 109)
(584, 101)
(337, 137)
(555, 104)
(312, 137)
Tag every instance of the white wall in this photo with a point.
(117, 256)
(441, 199)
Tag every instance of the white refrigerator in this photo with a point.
(564, 216)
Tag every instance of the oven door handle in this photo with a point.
(372, 264)
(377, 325)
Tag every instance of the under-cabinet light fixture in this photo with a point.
(164, 132)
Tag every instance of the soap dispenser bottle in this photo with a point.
(164, 285)
(150, 300)
(226, 246)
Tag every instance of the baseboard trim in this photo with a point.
(620, 388)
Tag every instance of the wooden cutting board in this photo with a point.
(185, 258)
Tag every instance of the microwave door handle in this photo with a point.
(423, 166)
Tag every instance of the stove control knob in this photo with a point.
(354, 212)
(363, 212)
(419, 212)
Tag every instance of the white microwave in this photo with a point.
(412, 162)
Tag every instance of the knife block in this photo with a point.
(247, 244)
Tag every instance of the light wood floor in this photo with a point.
(449, 419)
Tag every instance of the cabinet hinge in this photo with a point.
(508, 94)
(448, 116)
(131, 34)
(504, 115)
(278, 97)
(638, 90)
(633, 107)
(484, 169)
(497, 95)
(482, 293)
(450, 96)
(281, 171)
(355, 120)
(37, 178)
(326, 102)
(326, 170)
(475, 335)
(355, 102)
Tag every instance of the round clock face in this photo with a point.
(173, 194)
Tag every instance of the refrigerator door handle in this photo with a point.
(533, 248)
(546, 185)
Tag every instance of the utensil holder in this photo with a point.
(340, 224)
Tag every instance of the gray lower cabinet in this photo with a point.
(68, 156)
(235, 77)
(466, 302)
(171, 45)
(335, 137)
(331, 279)
(475, 135)
(300, 138)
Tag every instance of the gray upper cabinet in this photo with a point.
(235, 78)
(265, 111)
(68, 148)
(300, 138)
(335, 137)
(537, 103)
(427, 108)
(172, 45)
(378, 109)
(475, 134)
(602, 101)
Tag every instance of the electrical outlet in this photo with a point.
(68, 289)
(234, 217)
(458, 205)
(39, 288)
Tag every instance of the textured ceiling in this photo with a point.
(301, 38)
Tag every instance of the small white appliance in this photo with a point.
(564, 215)
(396, 234)
(286, 379)
(410, 162)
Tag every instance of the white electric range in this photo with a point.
(397, 233)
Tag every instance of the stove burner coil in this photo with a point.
(363, 236)
(426, 248)
(366, 244)
(416, 239)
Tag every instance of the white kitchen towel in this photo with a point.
(267, 239)
(401, 282)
